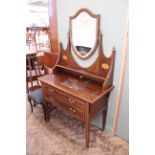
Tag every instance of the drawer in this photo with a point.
(47, 88)
(56, 102)
(72, 101)
(75, 112)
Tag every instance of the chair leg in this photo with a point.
(30, 104)
(34, 104)
(44, 111)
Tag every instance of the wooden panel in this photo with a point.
(70, 100)
(79, 91)
(40, 60)
(83, 89)
(53, 26)
(50, 59)
(91, 14)
(64, 102)
(102, 67)
(98, 107)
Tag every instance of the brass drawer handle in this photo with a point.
(51, 90)
(51, 99)
(72, 110)
(71, 100)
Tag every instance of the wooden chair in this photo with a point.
(34, 90)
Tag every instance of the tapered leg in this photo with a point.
(104, 116)
(104, 113)
(46, 110)
(87, 124)
(30, 104)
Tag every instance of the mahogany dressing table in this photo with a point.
(81, 92)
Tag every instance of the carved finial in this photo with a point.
(113, 49)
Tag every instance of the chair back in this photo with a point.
(33, 71)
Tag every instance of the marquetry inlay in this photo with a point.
(64, 57)
(105, 66)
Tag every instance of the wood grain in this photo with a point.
(53, 25)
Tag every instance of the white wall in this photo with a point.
(113, 19)
(123, 121)
(36, 15)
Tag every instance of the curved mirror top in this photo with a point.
(84, 32)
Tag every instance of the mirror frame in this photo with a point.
(97, 16)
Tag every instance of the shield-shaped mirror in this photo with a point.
(84, 33)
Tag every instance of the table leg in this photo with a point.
(47, 111)
(87, 124)
(104, 113)
(104, 116)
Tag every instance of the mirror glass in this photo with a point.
(83, 34)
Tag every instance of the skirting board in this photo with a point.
(108, 129)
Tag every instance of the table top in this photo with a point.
(84, 89)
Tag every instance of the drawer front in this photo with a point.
(72, 101)
(64, 102)
(75, 112)
(79, 114)
(56, 102)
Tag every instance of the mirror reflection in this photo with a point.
(83, 34)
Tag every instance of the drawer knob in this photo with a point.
(51, 90)
(71, 100)
(51, 99)
(72, 110)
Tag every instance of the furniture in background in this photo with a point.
(82, 92)
(37, 39)
(46, 62)
(50, 59)
(38, 42)
(35, 69)
(34, 90)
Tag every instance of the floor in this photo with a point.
(63, 135)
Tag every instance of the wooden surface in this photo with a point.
(53, 26)
(81, 92)
(95, 70)
(91, 14)
(83, 88)
(50, 59)
(78, 97)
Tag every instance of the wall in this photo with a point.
(113, 19)
(123, 119)
(36, 16)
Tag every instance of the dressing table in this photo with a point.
(82, 92)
